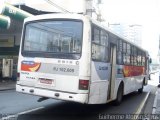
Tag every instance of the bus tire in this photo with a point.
(141, 89)
(149, 78)
(119, 95)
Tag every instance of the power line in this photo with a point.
(57, 6)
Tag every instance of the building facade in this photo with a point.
(132, 32)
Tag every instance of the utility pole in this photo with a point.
(159, 51)
(99, 15)
(89, 7)
(93, 9)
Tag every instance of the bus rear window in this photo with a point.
(56, 38)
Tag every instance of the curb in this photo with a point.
(5, 89)
(142, 105)
(4, 86)
(155, 103)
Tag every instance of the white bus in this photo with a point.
(73, 58)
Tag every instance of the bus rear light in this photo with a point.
(83, 84)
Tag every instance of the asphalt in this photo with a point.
(7, 85)
(11, 84)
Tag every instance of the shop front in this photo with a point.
(10, 36)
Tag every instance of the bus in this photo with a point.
(71, 57)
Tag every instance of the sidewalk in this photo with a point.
(158, 101)
(156, 105)
(7, 85)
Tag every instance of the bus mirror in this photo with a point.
(150, 60)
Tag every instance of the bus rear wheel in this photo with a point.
(119, 95)
(141, 89)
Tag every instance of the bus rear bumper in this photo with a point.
(76, 97)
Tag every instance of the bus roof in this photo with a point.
(55, 15)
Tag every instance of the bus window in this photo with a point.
(128, 54)
(96, 35)
(132, 60)
(144, 58)
(67, 44)
(139, 60)
(124, 53)
(99, 45)
(104, 45)
(119, 52)
(119, 57)
(63, 38)
(135, 55)
(95, 52)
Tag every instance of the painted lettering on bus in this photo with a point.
(71, 70)
(25, 73)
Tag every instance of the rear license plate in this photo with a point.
(46, 81)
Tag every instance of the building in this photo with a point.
(131, 32)
(135, 34)
(10, 38)
(119, 28)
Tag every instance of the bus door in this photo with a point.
(111, 83)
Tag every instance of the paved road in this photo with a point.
(27, 106)
(14, 103)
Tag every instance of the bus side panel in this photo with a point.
(132, 84)
(133, 78)
(119, 79)
(117, 83)
(100, 75)
(139, 81)
(129, 85)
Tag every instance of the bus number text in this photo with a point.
(63, 69)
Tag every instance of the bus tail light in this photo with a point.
(83, 84)
(18, 76)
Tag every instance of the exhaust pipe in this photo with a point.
(42, 99)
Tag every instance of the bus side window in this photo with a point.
(139, 59)
(95, 43)
(104, 45)
(99, 44)
(119, 57)
(119, 52)
(124, 53)
(132, 60)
